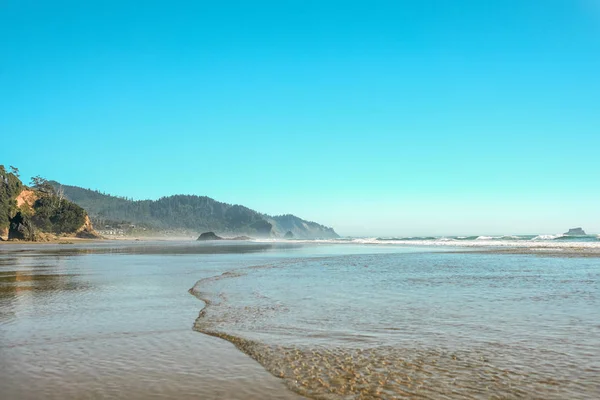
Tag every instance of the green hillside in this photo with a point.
(189, 212)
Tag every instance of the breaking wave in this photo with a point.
(531, 241)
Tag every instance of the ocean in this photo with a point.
(535, 241)
(344, 319)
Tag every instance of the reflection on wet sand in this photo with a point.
(17, 281)
(114, 321)
(156, 248)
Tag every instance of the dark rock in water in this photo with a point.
(242, 238)
(21, 228)
(209, 236)
(576, 232)
(288, 235)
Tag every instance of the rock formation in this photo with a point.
(209, 236)
(87, 230)
(575, 232)
(288, 235)
(300, 228)
(21, 228)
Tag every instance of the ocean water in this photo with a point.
(559, 241)
(416, 324)
(332, 320)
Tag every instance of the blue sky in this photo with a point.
(377, 118)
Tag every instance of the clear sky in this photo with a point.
(374, 117)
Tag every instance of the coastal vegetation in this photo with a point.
(53, 214)
(45, 208)
(189, 213)
(38, 211)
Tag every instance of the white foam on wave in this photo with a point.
(548, 237)
(450, 242)
(486, 238)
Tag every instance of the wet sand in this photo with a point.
(108, 325)
(135, 365)
(105, 319)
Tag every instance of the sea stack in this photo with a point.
(575, 232)
(209, 236)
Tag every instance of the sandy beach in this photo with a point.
(79, 324)
(114, 319)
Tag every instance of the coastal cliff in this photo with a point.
(40, 212)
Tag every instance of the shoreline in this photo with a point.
(549, 249)
(104, 239)
(65, 240)
(244, 346)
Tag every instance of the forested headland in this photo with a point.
(39, 211)
(189, 213)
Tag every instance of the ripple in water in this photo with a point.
(438, 326)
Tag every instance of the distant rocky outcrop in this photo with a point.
(575, 232)
(288, 235)
(300, 228)
(206, 236)
(209, 236)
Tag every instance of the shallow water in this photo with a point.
(114, 321)
(416, 325)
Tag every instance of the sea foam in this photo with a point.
(520, 241)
